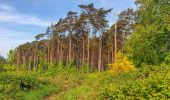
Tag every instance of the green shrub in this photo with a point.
(2, 68)
(18, 87)
(38, 94)
(10, 84)
(84, 69)
(151, 82)
(9, 67)
(60, 69)
(167, 58)
(52, 71)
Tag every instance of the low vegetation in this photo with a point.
(148, 82)
(122, 64)
(60, 66)
(24, 87)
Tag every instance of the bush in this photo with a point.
(122, 64)
(2, 68)
(60, 69)
(84, 69)
(52, 71)
(16, 87)
(167, 58)
(17, 83)
(150, 82)
(8, 67)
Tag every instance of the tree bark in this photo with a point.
(83, 53)
(35, 55)
(115, 40)
(70, 47)
(100, 52)
(88, 47)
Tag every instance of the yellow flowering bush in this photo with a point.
(122, 64)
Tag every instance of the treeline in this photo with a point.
(83, 39)
(150, 41)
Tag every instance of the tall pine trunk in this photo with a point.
(88, 47)
(100, 52)
(70, 48)
(83, 52)
(35, 55)
(115, 40)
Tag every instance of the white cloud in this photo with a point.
(10, 14)
(6, 33)
(7, 44)
(11, 39)
(7, 8)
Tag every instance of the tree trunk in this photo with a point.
(29, 68)
(48, 54)
(70, 48)
(62, 53)
(88, 47)
(35, 55)
(100, 53)
(23, 59)
(115, 40)
(52, 54)
(108, 57)
(58, 52)
(83, 52)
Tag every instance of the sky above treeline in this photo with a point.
(21, 20)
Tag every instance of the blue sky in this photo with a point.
(21, 20)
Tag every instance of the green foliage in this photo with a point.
(75, 93)
(11, 57)
(150, 40)
(22, 87)
(83, 87)
(167, 58)
(147, 45)
(150, 82)
(84, 69)
(8, 67)
(2, 63)
(17, 83)
(2, 69)
(42, 67)
(66, 70)
(38, 94)
(2, 60)
(52, 71)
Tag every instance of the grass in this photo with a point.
(44, 91)
(84, 91)
(146, 82)
(24, 87)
